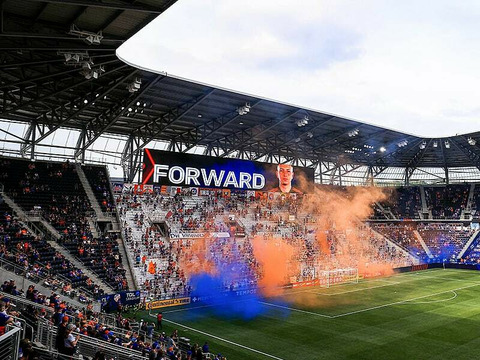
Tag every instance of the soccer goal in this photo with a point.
(328, 278)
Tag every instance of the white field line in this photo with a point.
(295, 309)
(222, 339)
(355, 290)
(433, 301)
(189, 308)
(310, 288)
(402, 301)
(418, 276)
(445, 278)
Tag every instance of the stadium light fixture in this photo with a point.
(134, 86)
(89, 37)
(402, 143)
(353, 133)
(472, 141)
(435, 144)
(74, 58)
(302, 122)
(309, 135)
(423, 145)
(243, 110)
(383, 149)
(447, 144)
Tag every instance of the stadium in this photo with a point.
(147, 216)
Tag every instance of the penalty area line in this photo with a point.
(225, 340)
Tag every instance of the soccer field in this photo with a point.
(431, 314)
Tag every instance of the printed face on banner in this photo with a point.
(187, 170)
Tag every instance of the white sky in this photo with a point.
(408, 65)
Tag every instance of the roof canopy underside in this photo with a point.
(43, 84)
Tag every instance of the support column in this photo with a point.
(80, 147)
(131, 158)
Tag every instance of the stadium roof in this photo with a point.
(59, 70)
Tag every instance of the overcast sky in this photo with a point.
(412, 66)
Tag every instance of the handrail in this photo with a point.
(19, 270)
(23, 301)
(36, 278)
(10, 350)
(87, 346)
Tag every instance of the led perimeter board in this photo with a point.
(187, 170)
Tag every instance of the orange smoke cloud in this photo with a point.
(193, 256)
(276, 266)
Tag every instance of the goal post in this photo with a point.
(328, 278)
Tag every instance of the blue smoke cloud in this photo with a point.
(210, 291)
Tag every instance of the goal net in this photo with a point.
(328, 278)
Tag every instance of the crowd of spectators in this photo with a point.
(73, 324)
(54, 191)
(445, 240)
(39, 260)
(447, 202)
(165, 256)
(405, 202)
(402, 234)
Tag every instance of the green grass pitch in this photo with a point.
(432, 314)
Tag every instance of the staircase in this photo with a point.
(77, 263)
(424, 203)
(424, 246)
(387, 212)
(93, 226)
(396, 246)
(470, 198)
(91, 196)
(110, 219)
(26, 220)
(127, 262)
(470, 245)
(51, 232)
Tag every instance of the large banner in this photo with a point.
(110, 302)
(187, 170)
